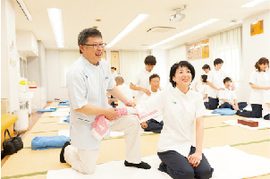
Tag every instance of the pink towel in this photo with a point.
(101, 124)
(100, 127)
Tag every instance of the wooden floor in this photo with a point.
(25, 164)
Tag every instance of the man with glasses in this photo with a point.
(87, 81)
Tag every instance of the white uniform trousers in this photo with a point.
(85, 161)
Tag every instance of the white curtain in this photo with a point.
(227, 46)
(67, 57)
(130, 63)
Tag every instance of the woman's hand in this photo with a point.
(195, 159)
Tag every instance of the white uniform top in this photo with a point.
(216, 77)
(258, 79)
(203, 89)
(142, 80)
(228, 95)
(114, 74)
(266, 96)
(126, 91)
(266, 101)
(179, 112)
(87, 84)
(158, 116)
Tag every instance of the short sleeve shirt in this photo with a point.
(142, 80)
(216, 78)
(87, 84)
(228, 95)
(258, 79)
(179, 112)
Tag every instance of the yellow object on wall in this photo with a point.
(256, 28)
(205, 48)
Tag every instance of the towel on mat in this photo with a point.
(48, 142)
(224, 111)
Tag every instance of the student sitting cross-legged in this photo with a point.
(227, 97)
(155, 124)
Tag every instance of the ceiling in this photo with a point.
(115, 15)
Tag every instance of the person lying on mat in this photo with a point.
(181, 107)
(87, 81)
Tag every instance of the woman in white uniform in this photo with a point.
(181, 107)
(258, 82)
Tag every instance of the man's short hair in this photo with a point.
(119, 79)
(150, 60)
(153, 76)
(226, 80)
(84, 34)
(206, 66)
(218, 61)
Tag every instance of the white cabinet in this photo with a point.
(27, 43)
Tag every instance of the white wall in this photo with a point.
(177, 54)
(37, 68)
(161, 67)
(180, 54)
(54, 77)
(254, 47)
(4, 53)
(9, 56)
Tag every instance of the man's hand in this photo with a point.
(144, 125)
(110, 114)
(130, 103)
(146, 91)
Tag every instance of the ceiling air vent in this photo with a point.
(161, 29)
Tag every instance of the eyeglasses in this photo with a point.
(102, 45)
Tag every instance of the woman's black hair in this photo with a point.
(181, 64)
(204, 78)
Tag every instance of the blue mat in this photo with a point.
(224, 111)
(48, 142)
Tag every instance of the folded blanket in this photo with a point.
(224, 111)
(64, 101)
(67, 120)
(63, 104)
(46, 110)
(48, 142)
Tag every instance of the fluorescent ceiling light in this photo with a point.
(197, 27)
(253, 3)
(137, 21)
(55, 16)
